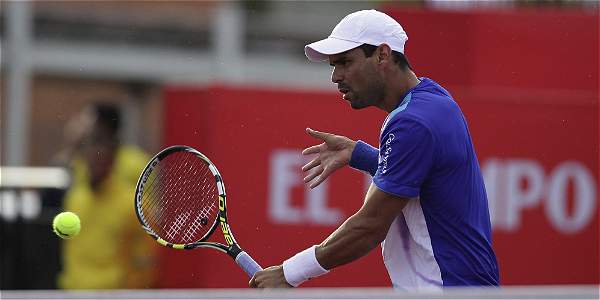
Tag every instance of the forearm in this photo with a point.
(351, 241)
(356, 237)
(364, 157)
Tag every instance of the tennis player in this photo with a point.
(427, 202)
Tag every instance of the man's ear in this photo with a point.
(384, 53)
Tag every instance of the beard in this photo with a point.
(372, 95)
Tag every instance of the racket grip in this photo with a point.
(247, 263)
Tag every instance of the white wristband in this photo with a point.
(302, 267)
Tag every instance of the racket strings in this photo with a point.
(204, 211)
(180, 202)
(152, 210)
(153, 197)
(181, 193)
(177, 214)
(164, 183)
(164, 176)
(175, 186)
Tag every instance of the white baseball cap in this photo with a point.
(362, 27)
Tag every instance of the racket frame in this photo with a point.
(232, 248)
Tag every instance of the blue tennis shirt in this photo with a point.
(443, 236)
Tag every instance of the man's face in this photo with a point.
(357, 78)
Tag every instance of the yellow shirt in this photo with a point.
(111, 251)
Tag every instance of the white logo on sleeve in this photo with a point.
(385, 154)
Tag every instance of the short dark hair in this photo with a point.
(109, 116)
(399, 58)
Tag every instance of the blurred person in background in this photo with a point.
(111, 251)
(427, 202)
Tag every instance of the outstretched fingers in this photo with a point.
(319, 134)
(312, 149)
(313, 163)
(323, 175)
(312, 175)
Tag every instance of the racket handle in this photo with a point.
(247, 263)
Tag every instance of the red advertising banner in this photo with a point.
(535, 132)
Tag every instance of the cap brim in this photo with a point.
(320, 50)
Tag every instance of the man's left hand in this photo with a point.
(271, 277)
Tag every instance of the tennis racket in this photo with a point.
(180, 201)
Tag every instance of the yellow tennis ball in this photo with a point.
(66, 225)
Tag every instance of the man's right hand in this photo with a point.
(335, 152)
